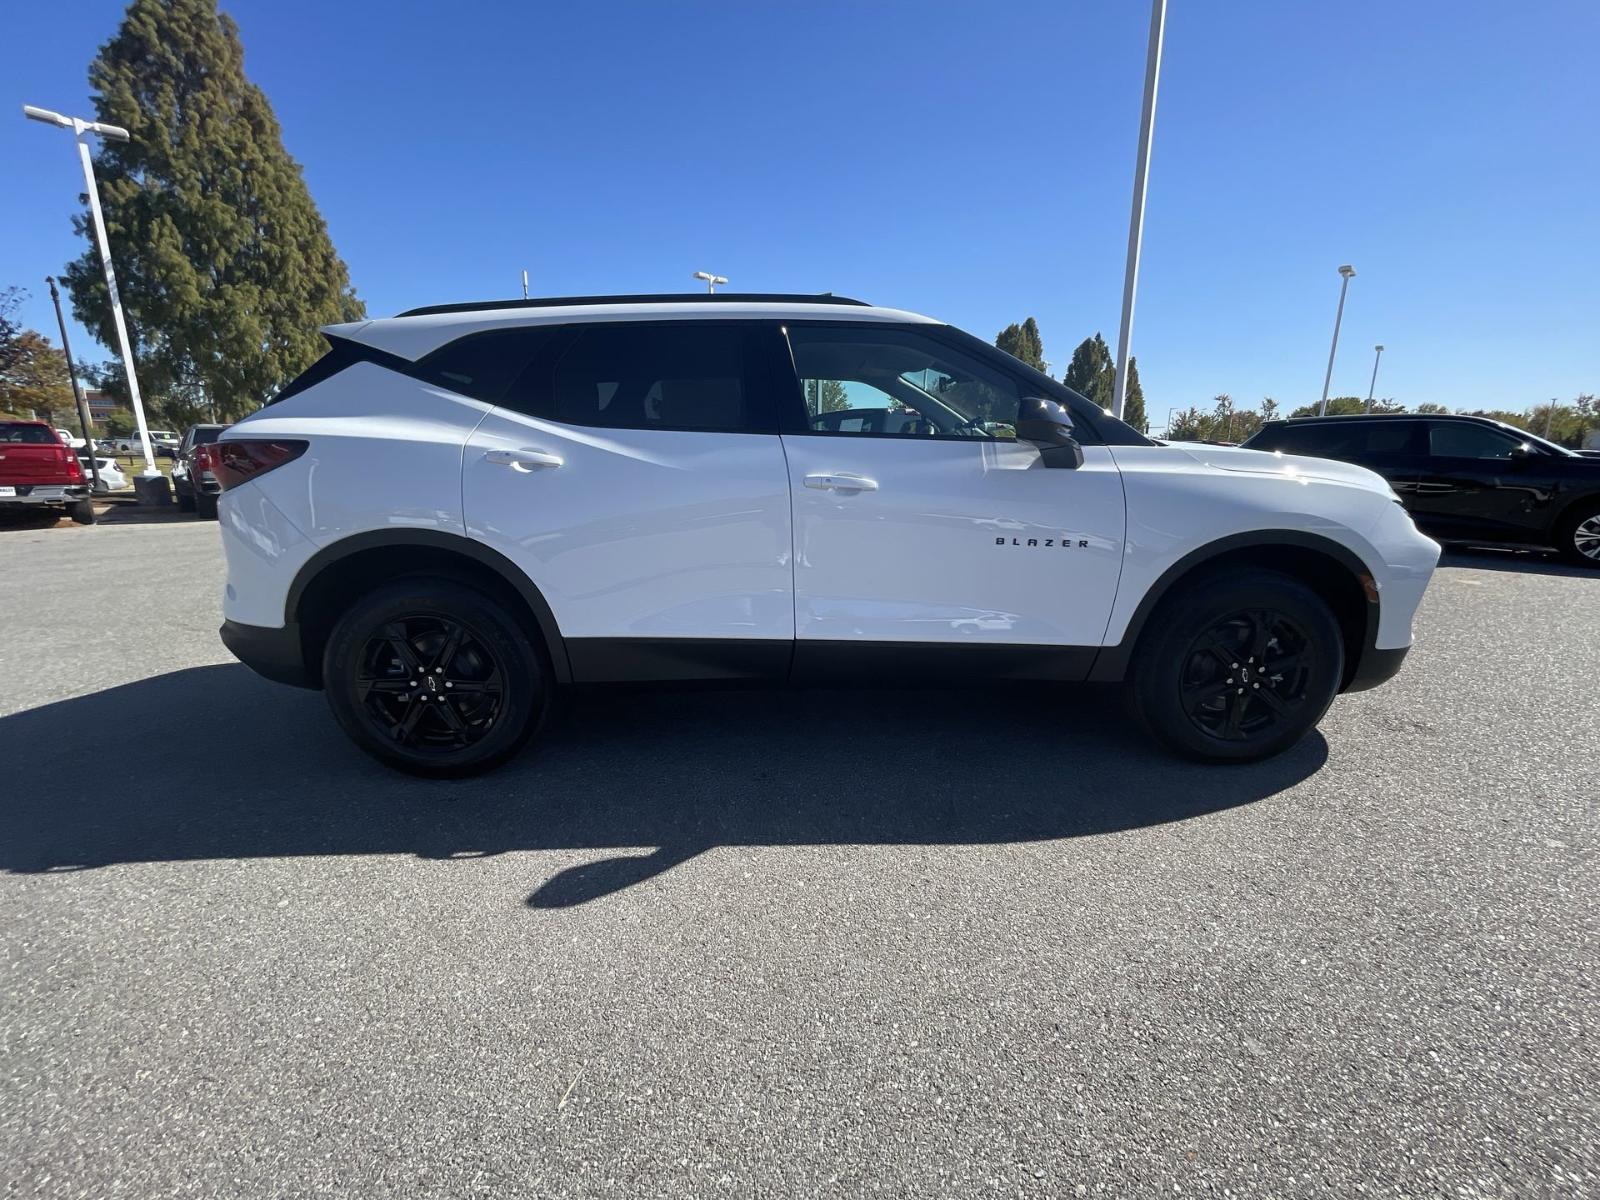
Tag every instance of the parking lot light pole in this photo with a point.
(1141, 176)
(1347, 271)
(77, 392)
(115, 133)
(711, 280)
(1373, 386)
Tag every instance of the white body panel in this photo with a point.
(639, 533)
(1181, 498)
(962, 540)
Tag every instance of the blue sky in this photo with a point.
(973, 162)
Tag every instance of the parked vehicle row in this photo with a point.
(1462, 478)
(461, 510)
(194, 481)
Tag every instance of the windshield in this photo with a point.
(204, 435)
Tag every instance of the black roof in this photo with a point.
(655, 298)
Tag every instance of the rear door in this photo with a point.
(634, 472)
(920, 522)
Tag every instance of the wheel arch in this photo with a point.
(1335, 571)
(337, 573)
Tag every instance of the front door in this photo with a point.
(1469, 485)
(635, 475)
(921, 523)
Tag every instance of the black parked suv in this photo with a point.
(1464, 479)
(196, 487)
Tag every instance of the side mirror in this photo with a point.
(1047, 425)
(1522, 453)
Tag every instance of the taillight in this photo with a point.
(74, 467)
(239, 462)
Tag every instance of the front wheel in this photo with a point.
(1238, 666)
(435, 678)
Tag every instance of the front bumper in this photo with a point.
(1377, 666)
(273, 654)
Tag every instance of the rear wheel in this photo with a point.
(435, 678)
(185, 501)
(82, 512)
(1579, 537)
(1238, 666)
(206, 506)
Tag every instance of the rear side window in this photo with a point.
(667, 376)
(1452, 440)
(484, 365)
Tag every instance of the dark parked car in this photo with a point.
(196, 487)
(1464, 479)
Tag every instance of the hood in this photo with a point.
(1290, 466)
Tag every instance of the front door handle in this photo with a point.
(523, 460)
(841, 483)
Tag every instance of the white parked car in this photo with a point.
(71, 439)
(112, 478)
(458, 511)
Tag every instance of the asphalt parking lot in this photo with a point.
(809, 944)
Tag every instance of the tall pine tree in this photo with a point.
(1023, 342)
(1133, 403)
(1091, 372)
(225, 266)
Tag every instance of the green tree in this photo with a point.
(225, 265)
(1226, 422)
(1023, 342)
(10, 328)
(1133, 407)
(1091, 372)
(1349, 406)
(1432, 410)
(33, 380)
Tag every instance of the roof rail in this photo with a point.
(658, 298)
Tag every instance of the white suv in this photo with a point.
(459, 511)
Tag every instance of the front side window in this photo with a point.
(669, 376)
(895, 382)
(1469, 441)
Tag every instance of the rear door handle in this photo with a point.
(841, 483)
(523, 460)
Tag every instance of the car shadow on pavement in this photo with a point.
(1517, 562)
(237, 768)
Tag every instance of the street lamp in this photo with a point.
(1372, 387)
(1141, 175)
(711, 280)
(116, 133)
(1348, 272)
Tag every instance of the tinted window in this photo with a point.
(671, 376)
(207, 434)
(1452, 440)
(891, 381)
(1335, 439)
(483, 365)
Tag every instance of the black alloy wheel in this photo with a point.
(430, 683)
(1237, 664)
(435, 677)
(1246, 675)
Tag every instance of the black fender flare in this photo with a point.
(454, 543)
(1111, 664)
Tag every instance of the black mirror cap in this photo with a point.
(1048, 425)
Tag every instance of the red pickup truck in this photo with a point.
(39, 470)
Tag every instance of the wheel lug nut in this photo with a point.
(1255, 685)
(447, 683)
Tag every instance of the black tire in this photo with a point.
(205, 506)
(1578, 537)
(1198, 684)
(396, 639)
(81, 512)
(185, 501)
